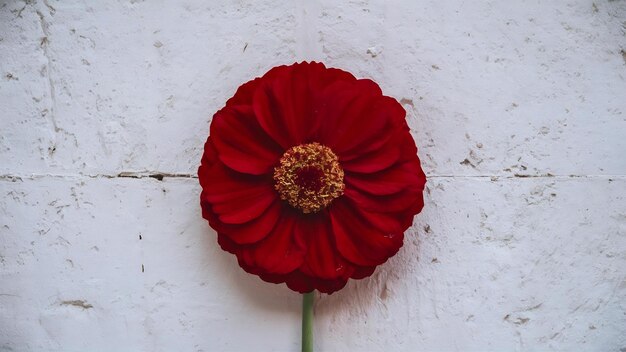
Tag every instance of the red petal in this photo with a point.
(374, 161)
(410, 212)
(244, 209)
(208, 159)
(363, 271)
(358, 119)
(385, 156)
(241, 143)
(219, 179)
(328, 286)
(281, 252)
(369, 127)
(227, 244)
(285, 101)
(357, 241)
(283, 109)
(386, 182)
(374, 199)
(252, 231)
(383, 204)
(236, 197)
(215, 195)
(299, 282)
(210, 154)
(341, 107)
(303, 283)
(244, 93)
(322, 259)
(384, 222)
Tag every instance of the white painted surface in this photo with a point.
(494, 90)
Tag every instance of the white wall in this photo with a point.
(518, 108)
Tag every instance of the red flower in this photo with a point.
(310, 177)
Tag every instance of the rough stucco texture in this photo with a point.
(518, 108)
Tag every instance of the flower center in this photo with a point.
(309, 177)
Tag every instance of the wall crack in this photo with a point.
(45, 46)
(160, 176)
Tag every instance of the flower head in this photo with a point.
(310, 177)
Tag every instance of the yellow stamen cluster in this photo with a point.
(309, 177)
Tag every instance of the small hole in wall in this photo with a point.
(157, 176)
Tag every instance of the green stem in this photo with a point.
(307, 321)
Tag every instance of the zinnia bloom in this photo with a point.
(310, 177)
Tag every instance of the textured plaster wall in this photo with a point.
(518, 108)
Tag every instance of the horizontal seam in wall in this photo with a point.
(160, 176)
